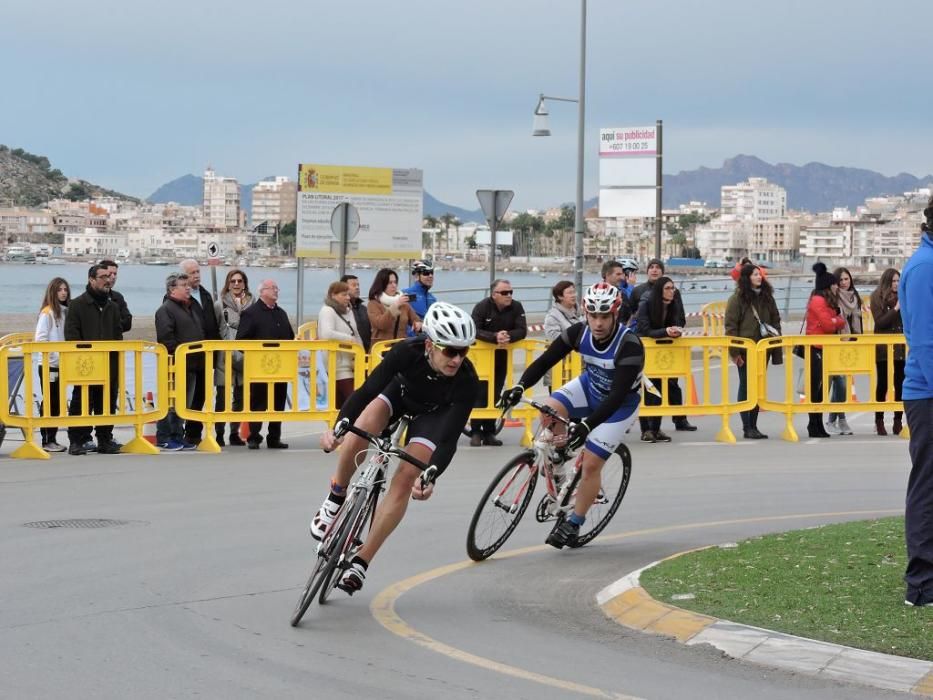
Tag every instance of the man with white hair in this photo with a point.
(266, 320)
(203, 303)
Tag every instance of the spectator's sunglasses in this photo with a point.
(452, 352)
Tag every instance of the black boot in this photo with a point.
(815, 427)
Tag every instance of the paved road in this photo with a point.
(193, 599)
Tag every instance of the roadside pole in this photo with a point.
(495, 204)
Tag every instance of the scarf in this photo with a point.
(848, 305)
(237, 304)
(339, 308)
(101, 300)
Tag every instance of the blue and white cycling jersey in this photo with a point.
(599, 365)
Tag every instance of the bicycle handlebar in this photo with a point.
(429, 471)
(543, 408)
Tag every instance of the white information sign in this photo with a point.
(628, 171)
(388, 203)
(628, 141)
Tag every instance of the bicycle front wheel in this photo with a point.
(311, 587)
(348, 537)
(615, 477)
(502, 506)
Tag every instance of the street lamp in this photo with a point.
(540, 128)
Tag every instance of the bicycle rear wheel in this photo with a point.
(615, 477)
(503, 504)
(347, 538)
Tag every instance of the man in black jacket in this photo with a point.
(266, 320)
(177, 321)
(126, 318)
(499, 320)
(93, 316)
(360, 313)
(203, 303)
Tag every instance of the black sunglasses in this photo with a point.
(506, 293)
(452, 352)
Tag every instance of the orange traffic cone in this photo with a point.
(244, 431)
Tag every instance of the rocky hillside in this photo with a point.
(29, 180)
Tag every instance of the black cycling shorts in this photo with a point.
(432, 427)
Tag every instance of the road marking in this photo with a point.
(383, 605)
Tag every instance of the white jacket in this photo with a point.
(51, 330)
(334, 326)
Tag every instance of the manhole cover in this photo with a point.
(80, 523)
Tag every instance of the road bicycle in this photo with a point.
(345, 536)
(508, 495)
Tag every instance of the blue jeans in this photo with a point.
(837, 394)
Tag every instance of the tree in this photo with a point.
(77, 192)
(447, 219)
(287, 235)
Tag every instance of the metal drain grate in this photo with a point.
(79, 523)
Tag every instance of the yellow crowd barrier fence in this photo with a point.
(260, 365)
(307, 331)
(714, 318)
(98, 367)
(805, 381)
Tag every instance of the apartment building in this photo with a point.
(221, 201)
(274, 202)
(27, 225)
(753, 200)
(774, 240)
(723, 240)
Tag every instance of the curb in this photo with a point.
(630, 605)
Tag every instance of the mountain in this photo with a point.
(813, 187)
(29, 180)
(189, 190)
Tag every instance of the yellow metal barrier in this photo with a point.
(307, 331)
(669, 358)
(16, 339)
(378, 351)
(848, 356)
(868, 321)
(267, 363)
(714, 318)
(95, 364)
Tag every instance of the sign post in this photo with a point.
(495, 204)
(213, 259)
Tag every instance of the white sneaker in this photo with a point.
(844, 428)
(324, 518)
(832, 428)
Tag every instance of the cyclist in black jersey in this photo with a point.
(603, 401)
(428, 378)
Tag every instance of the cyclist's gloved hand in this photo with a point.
(576, 434)
(511, 397)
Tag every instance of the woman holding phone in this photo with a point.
(390, 313)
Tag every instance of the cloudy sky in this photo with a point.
(131, 95)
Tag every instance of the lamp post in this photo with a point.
(541, 129)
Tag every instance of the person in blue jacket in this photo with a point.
(420, 292)
(916, 299)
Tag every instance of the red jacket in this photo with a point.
(737, 271)
(822, 319)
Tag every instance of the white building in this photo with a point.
(221, 201)
(723, 240)
(753, 200)
(274, 202)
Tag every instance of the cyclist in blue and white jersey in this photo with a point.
(603, 401)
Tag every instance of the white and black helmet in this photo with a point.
(628, 265)
(449, 325)
(601, 298)
(422, 267)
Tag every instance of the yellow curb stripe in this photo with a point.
(637, 610)
(924, 685)
(383, 605)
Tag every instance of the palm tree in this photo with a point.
(447, 219)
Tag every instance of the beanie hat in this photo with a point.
(824, 278)
(656, 261)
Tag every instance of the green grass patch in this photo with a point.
(838, 583)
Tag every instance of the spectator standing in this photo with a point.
(93, 316)
(423, 272)
(629, 279)
(359, 309)
(886, 310)
(337, 322)
(916, 295)
(613, 274)
(390, 313)
(823, 318)
(752, 313)
(654, 272)
(178, 321)
(850, 306)
(661, 316)
(203, 303)
(266, 320)
(51, 328)
(126, 318)
(235, 297)
(562, 314)
(499, 320)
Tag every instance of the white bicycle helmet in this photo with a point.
(601, 298)
(449, 325)
(628, 265)
(421, 267)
